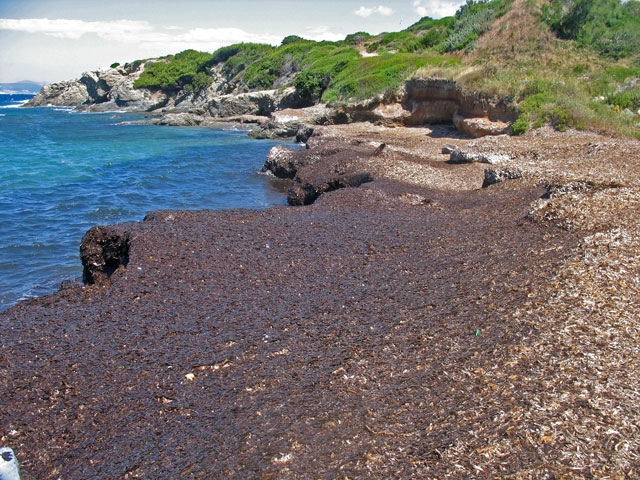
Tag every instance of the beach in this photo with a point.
(416, 326)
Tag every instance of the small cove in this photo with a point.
(62, 172)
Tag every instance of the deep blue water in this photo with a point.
(62, 172)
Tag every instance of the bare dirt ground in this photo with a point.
(418, 326)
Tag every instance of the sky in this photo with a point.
(50, 41)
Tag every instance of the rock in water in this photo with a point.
(8, 465)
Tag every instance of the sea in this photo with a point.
(62, 172)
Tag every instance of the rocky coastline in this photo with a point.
(277, 113)
(406, 322)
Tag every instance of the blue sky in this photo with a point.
(58, 40)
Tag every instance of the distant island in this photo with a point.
(23, 87)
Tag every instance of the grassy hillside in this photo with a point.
(565, 82)
(571, 63)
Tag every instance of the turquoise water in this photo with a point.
(62, 172)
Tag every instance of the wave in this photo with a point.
(101, 113)
(15, 104)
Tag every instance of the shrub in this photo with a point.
(357, 38)
(520, 126)
(627, 99)
(467, 28)
(114, 65)
(292, 39)
(612, 27)
(177, 73)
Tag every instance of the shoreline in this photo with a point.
(38, 267)
(416, 325)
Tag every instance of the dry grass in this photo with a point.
(519, 57)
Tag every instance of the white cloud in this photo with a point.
(140, 33)
(368, 11)
(385, 11)
(74, 29)
(322, 33)
(436, 8)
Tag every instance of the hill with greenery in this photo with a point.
(571, 63)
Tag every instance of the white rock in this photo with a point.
(8, 465)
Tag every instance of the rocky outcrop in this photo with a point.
(284, 162)
(323, 168)
(493, 176)
(253, 103)
(100, 91)
(61, 94)
(480, 127)
(286, 123)
(304, 133)
(271, 130)
(103, 250)
(417, 102)
(430, 101)
(466, 156)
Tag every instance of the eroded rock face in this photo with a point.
(425, 101)
(103, 250)
(101, 90)
(68, 94)
(480, 127)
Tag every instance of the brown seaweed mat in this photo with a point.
(353, 338)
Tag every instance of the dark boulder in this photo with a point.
(284, 163)
(103, 250)
(498, 175)
(304, 133)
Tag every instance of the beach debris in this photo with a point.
(190, 376)
(8, 465)
(379, 150)
(464, 156)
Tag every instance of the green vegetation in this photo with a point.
(330, 71)
(612, 27)
(345, 74)
(184, 70)
(467, 29)
(627, 99)
(447, 34)
(114, 65)
(590, 50)
(579, 85)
